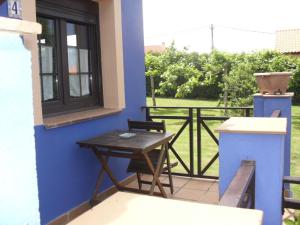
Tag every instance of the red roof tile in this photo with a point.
(288, 41)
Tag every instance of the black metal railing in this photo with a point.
(288, 201)
(199, 117)
(241, 191)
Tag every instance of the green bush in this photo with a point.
(240, 85)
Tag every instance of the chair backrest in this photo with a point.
(147, 125)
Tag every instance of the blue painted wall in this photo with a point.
(267, 151)
(3, 9)
(66, 173)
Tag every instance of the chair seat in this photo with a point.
(140, 165)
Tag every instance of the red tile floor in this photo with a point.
(189, 189)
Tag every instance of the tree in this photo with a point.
(153, 69)
(227, 76)
(179, 80)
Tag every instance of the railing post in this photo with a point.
(191, 135)
(261, 140)
(265, 105)
(147, 114)
(199, 152)
(247, 114)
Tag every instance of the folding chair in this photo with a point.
(139, 166)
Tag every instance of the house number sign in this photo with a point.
(14, 9)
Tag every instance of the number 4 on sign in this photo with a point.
(14, 9)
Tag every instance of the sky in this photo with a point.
(239, 25)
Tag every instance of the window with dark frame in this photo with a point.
(69, 57)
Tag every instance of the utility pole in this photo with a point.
(212, 37)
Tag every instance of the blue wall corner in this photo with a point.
(258, 110)
(3, 9)
(264, 106)
(133, 46)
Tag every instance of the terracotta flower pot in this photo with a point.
(273, 83)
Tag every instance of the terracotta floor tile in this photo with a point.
(180, 181)
(185, 188)
(176, 189)
(147, 187)
(133, 184)
(164, 177)
(210, 198)
(214, 187)
(147, 177)
(189, 194)
(156, 189)
(202, 185)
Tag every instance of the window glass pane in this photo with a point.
(71, 34)
(73, 60)
(84, 60)
(83, 36)
(47, 36)
(48, 90)
(47, 59)
(72, 38)
(74, 83)
(85, 85)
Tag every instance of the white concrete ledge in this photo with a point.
(254, 125)
(134, 209)
(19, 26)
(286, 95)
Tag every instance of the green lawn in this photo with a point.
(209, 148)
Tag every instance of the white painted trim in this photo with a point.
(19, 26)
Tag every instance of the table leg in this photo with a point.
(93, 200)
(100, 177)
(156, 171)
(106, 168)
(169, 170)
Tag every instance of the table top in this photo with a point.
(142, 141)
(127, 208)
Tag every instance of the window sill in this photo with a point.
(77, 117)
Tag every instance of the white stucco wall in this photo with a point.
(19, 204)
